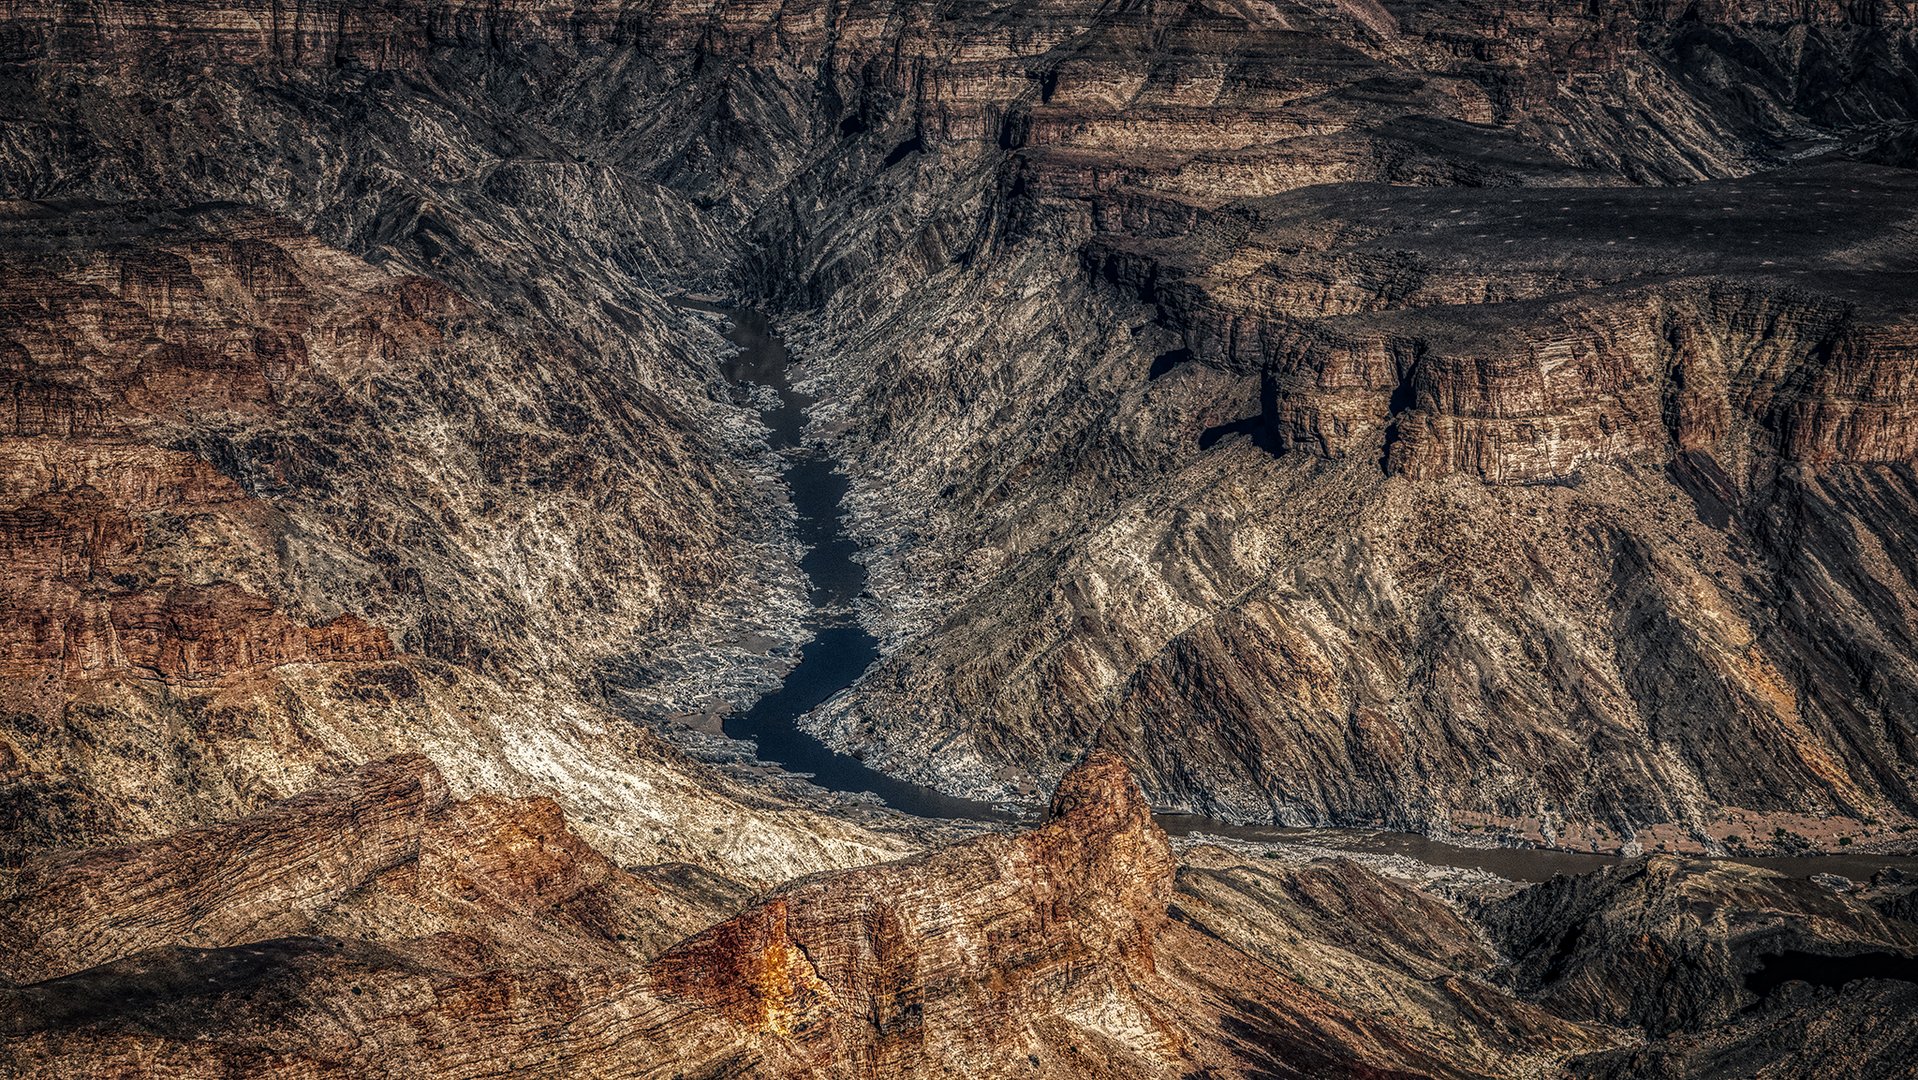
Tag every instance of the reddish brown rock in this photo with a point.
(955, 956)
(381, 853)
(113, 351)
(1051, 953)
(254, 878)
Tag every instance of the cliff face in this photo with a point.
(1445, 415)
(481, 937)
(491, 940)
(1483, 499)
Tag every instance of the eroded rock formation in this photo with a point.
(1507, 493)
(1052, 261)
(1456, 416)
(483, 938)
(271, 512)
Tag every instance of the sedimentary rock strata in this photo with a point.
(1052, 263)
(481, 938)
(1118, 461)
(1488, 420)
(1053, 953)
(267, 518)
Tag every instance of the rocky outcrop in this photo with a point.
(384, 852)
(1728, 968)
(1050, 953)
(1356, 412)
(980, 954)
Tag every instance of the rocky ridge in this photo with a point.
(1231, 539)
(356, 464)
(482, 938)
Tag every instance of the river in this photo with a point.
(841, 650)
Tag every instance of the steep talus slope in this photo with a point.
(354, 928)
(383, 851)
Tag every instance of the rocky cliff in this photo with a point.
(1472, 418)
(1522, 490)
(1527, 343)
(482, 937)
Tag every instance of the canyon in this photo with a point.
(1134, 459)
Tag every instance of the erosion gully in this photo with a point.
(841, 650)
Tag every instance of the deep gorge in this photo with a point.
(1403, 511)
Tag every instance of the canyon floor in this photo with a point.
(871, 538)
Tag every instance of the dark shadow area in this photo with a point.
(1015, 129)
(1166, 361)
(1404, 397)
(162, 988)
(1251, 425)
(1264, 435)
(914, 145)
(1713, 494)
(1831, 971)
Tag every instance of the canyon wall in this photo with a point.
(1170, 427)
(1347, 453)
(1477, 419)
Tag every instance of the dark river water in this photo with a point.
(841, 650)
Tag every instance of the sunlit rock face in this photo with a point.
(1348, 451)
(377, 925)
(498, 939)
(1486, 419)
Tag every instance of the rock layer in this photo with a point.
(960, 210)
(1050, 953)
(1446, 415)
(483, 938)
(271, 511)
(1335, 501)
